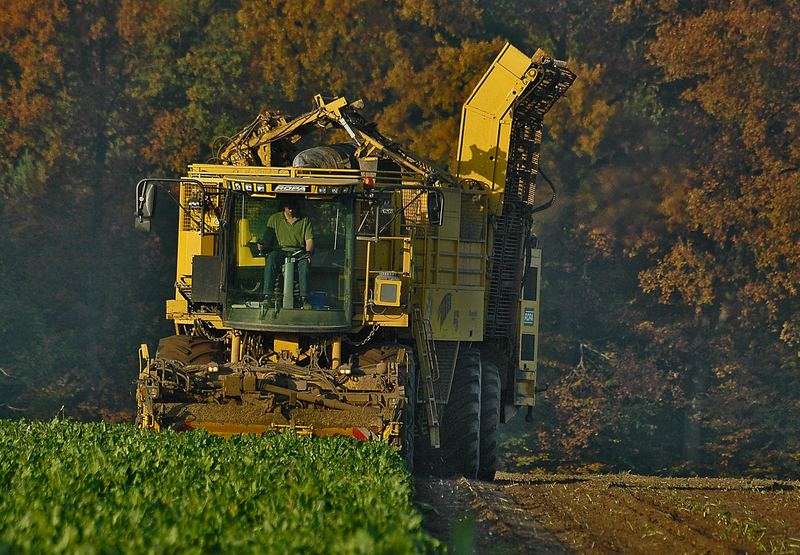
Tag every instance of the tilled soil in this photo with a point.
(535, 513)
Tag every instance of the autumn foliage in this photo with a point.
(671, 323)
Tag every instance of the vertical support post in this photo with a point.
(288, 282)
(525, 382)
(366, 281)
(144, 357)
(236, 347)
(336, 353)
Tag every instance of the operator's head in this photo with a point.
(290, 206)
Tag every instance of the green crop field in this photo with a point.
(97, 488)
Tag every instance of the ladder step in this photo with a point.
(428, 368)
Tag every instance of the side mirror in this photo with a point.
(145, 204)
(435, 207)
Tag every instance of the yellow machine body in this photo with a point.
(412, 268)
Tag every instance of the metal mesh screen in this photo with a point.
(416, 211)
(472, 226)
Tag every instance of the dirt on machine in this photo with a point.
(356, 288)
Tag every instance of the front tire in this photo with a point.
(461, 423)
(189, 350)
(490, 421)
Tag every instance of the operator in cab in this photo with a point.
(287, 232)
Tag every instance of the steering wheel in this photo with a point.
(301, 254)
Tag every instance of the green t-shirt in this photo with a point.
(290, 236)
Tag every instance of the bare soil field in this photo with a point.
(536, 513)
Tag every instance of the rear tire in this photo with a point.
(189, 350)
(461, 424)
(490, 421)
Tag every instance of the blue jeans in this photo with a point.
(272, 267)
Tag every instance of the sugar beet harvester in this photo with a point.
(355, 288)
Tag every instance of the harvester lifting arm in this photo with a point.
(271, 127)
(267, 128)
(371, 142)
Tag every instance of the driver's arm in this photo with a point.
(309, 248)
(308, 235)
(269, 241)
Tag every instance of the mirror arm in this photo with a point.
(163, 183)
(140, 204)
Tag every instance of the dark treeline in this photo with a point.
(672, 267)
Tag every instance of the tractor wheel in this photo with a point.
(490, 420)
(461, 423)
(189, 350)
(374, 355)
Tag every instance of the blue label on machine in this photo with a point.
(527, 317)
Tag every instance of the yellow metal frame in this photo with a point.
(441, 269)
(486, 118)
(382, 282)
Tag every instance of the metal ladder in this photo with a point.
(429, 370)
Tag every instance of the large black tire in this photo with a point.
(189, 350)
(490, 420)
(461, 424)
